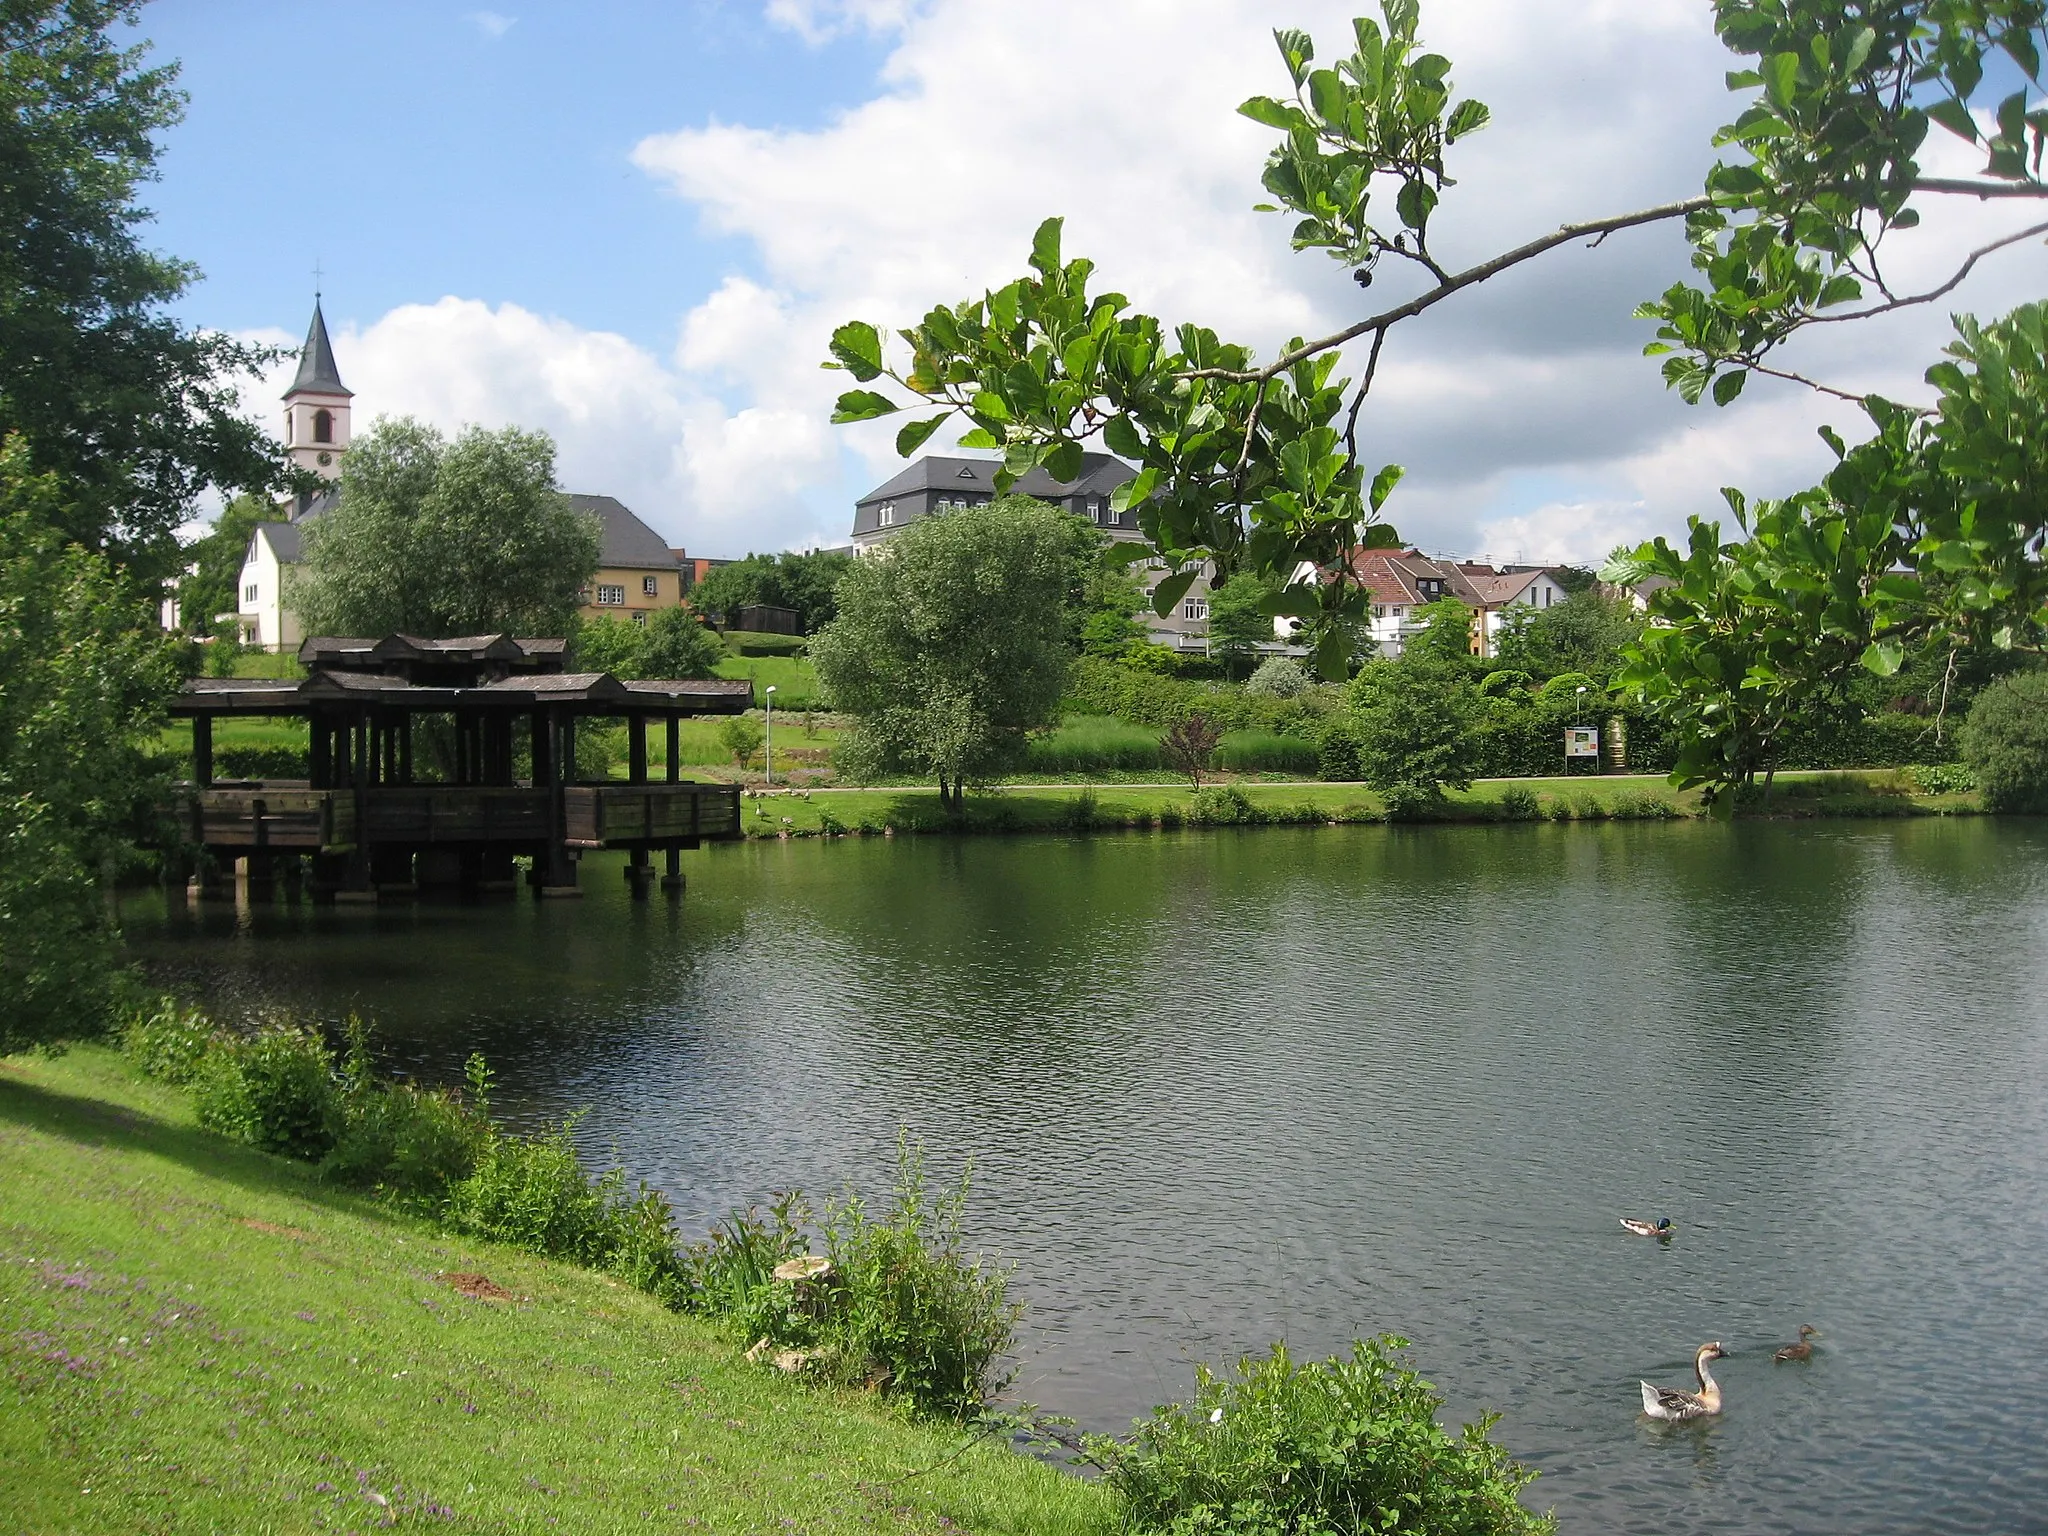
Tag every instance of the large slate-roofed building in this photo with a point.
(936, 483)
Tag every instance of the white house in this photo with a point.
(1401, 582)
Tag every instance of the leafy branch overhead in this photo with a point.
(1256, 465)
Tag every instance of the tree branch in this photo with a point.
(1970, 188)
(1372, 364)
(1934, 293)
(1471, 275)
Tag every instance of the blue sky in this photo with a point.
(634, 225)
(417, 150)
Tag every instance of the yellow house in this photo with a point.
(637, 572)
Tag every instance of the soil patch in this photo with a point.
(477, 1287)
(275, 1230)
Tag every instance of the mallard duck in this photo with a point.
(1677, 1407)
(1802, 1350)
(1661, 1228)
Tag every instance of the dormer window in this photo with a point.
(323, 426)
(968, 474)
(886, 517)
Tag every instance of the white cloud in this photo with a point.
(982, 124)
(1523, 409)
(491, 23)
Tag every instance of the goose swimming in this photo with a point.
(1677, 1407)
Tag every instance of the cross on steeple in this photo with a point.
(317, 275)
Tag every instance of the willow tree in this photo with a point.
(1256, 465)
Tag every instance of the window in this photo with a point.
(1379, 610)
(610, 597)
(650, 586)
(1194, 608)
(251, 592)
(323, 426)
(640, 618)
(886, 517)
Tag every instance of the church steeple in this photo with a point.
(316, 406)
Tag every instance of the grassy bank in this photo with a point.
(1054, 808)
(201, 1337)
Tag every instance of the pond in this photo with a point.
(1221, 1088)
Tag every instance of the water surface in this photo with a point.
(1221, 1088)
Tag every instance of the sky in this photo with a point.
(634, 225)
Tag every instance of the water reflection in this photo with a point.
(1220, 1088)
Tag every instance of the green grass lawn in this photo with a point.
(198, 1337)
(796, 685)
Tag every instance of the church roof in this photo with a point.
(317, 374)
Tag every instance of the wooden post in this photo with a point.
(202, 750)
(320, 758)
(405, 748)
(636, 750)
(675, 749)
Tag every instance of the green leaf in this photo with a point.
(1383, 485)
(1955, 117)
(862, 405)
(1884, 657)
(1296, 47)
(1170, 591)
(914, 433)
(1781, 78)
(1121, 438)
(1063, 461)
(980, 437)
(1045, 246)
(1414, 202)
(1327, 95)
(1333, 655)
(1274, 114)
(1728, 385)
(1467, 117)
(858, 346)
(1379, 536)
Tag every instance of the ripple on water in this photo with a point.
(1224, 1088)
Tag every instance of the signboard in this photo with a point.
(1581, 741)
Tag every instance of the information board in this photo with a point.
(1581, 741)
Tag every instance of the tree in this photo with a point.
(1240, 620)
(1418, 722)
(1255, 465)
(951, 643)
(804, 582)
(83, 673)
(1108, 598)
(437, 539)
(133, 412)
(1188, 745)
(2006, 742)
(673, 643)
(742, 736)
(1584, 633)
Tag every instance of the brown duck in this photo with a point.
(1803, 1350)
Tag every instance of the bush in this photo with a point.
(167, 1042)
(1093, 744)
(1337, 753)
(1944, 779)
(1337, 1446)
(1565, 688)
(535, 1195)
(1278, 677)
(2005, 743)
(1413, 802)
(1221, 805)
(262, 763)
(1519, 804)
(275, 1090)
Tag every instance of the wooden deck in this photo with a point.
(291, 818)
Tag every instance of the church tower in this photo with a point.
(316, 406)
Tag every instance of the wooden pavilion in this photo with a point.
(372, 824)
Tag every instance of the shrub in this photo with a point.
(535, 1195)
(1520, 804)
(1082, 811)
(275, 1090)
(741, 736)
(1413, 802)
(1505, 681)
(167, 1042)
(1565, 688)
(1221, 805)
(1278, 677)
(1092, 744)
(1337, 1446)
(1944, 779)
(915, 1311)
(261, 763)
(2005, 743)
(1188, 746)
(1337, 753)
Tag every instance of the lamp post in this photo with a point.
(768, 735)
(1579, 699)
